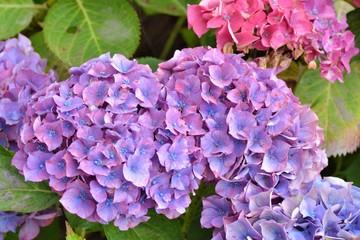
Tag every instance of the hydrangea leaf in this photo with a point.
(170, 7)
(18, 195)
(337, 106)
(79, 223)
(77, 30)
(70, 234)
(17, 14)
(350, 166)
(157, 228)
(353, 19)
(342, 8)
(151, 61)
(61, 68)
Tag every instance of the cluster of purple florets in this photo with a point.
(261, 147)
(250, 128)
(115, 140)
(309, 28)
(21, 75)
(326, 207)
(29, 223)
(100, 141)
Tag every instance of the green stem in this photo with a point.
(196, 201)
(338, 165)
(172, 37)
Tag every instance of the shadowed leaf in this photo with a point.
(18, 195)
(157, 228)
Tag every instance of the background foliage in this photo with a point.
(69, 32)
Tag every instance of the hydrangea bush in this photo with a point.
(305, 28)
(207, 138)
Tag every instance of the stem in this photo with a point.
(196, 201)
(172, 37)
(338, 165)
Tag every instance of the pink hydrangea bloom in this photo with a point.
(309, 28)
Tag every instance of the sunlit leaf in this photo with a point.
(70, 234)
(77, 30)
(342, 8)
(15, 15)
(337, 106)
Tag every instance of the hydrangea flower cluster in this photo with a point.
(357, 3)
(21, 75)
(309, 28)
(29, 224)
(257, 142)
(100, 141)
(252, 132)
(328, 207)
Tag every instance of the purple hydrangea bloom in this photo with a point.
(258, 143)
(21, 75)
(100, 139)
(28, 223)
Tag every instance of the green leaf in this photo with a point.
(191, 226)
(342, 8)
(18, 195)
(70, 234)
(353, 19)
(157, 228)
(170, 7)
(151, 61)
(208, 39)
(16, 15)
(337, 106)
(54, 231)
(190, 37)
(351, 172)
(77, 30)
(61, 68)
(79, 223)
(293, 73)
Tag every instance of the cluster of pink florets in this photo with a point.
(309, 28)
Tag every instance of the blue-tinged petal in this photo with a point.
(241, 229)
(137, 170)
(271, 230)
